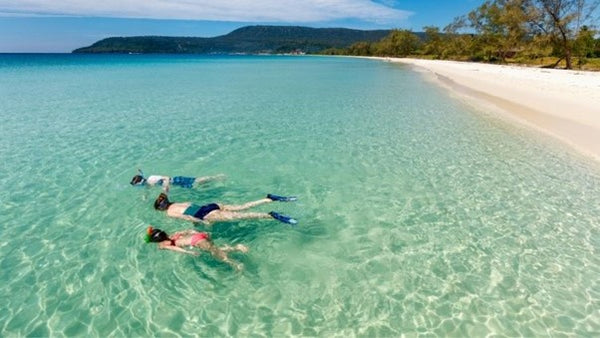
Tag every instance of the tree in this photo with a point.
(501, 27)
(515, 18)
(433, 41)
(360, 48)
(584, 44)
(561, 20)
(456, 43)
(398, 43)
(486, 21)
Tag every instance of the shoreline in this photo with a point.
(562, 103)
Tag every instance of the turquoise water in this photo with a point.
(418, 215)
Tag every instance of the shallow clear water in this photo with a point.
(417, 214)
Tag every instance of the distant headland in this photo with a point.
(245, 40)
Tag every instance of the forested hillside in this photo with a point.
(250, 40)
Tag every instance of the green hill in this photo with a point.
(250, 40)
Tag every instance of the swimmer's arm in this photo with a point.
(165, 185)
(191, 219)
(186, 232)
(178, 249)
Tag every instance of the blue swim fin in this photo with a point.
(282, 218)
(281, 198)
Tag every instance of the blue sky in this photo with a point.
(63, 25)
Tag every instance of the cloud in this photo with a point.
(217, 10)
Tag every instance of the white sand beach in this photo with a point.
(565, 104)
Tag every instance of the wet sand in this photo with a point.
(565, 104)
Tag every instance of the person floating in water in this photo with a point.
(193, 239)
(182, 181)
(215, 212)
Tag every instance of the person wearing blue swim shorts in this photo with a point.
(217, 212)
(181, 181)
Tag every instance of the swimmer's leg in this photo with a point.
(221, 255)
(204, 179)
(239, 247)
(270, 198)
(245, 205)
(227, 215)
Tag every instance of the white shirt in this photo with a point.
(155, 180)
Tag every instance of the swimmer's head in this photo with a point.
(155, 235)
(162, 202)
(137, 180)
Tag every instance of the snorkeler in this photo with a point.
(215, 212)
(186, 182)
(193, 239)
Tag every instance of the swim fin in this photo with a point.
(281, 198)
(282, 218)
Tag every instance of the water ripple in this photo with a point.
(418, 216)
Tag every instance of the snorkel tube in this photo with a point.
(138, 180)
(148, 234)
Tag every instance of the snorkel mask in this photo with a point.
(138, 180)
(162, 202)
(155, 235)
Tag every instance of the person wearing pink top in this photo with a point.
(193, 239)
